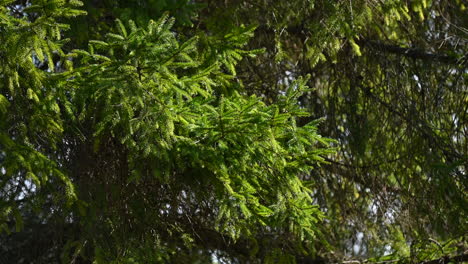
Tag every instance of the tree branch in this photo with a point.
(301, 31)
(413, 53)
(446, 259)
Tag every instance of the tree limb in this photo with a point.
(413, 53)
(446, 259)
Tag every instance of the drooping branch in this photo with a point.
(302, 32)
(413, 53)
(446, 259)
(443, 260)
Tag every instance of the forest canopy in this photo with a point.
(164, 131)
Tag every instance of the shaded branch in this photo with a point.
(413, 53)
(443, 260)
(446, 259)
(301, 31)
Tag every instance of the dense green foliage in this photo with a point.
(185, 132)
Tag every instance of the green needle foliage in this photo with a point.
(142, 148)
(390, 79)
(184, 131)
(31, 123)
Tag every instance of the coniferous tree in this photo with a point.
(147, 139)
(141, 147)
